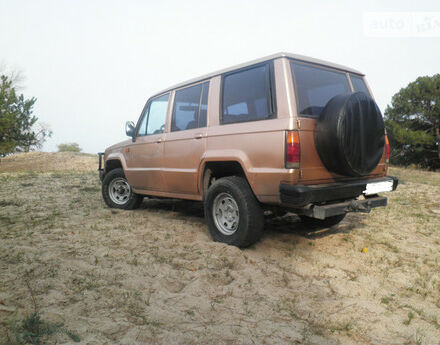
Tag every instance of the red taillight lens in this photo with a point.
(293, 150)
(387, 148)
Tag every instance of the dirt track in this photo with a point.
(153, 276)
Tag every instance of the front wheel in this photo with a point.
(233, 214)
(117, 192)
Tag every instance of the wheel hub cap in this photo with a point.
(226, 214)
(119, 191)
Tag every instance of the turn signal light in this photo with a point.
(293, 150)
(387, 148)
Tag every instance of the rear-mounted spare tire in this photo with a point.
(350, 134)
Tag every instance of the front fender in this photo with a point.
(115, 156)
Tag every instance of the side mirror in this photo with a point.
(129, 129)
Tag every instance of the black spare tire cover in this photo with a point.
(350, 134)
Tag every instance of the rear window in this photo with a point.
(247, 95)
(316, 86)
(359, 84)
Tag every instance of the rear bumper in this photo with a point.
(302, 195)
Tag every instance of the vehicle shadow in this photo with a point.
(287, 224)
(183, 208)
(291, 224)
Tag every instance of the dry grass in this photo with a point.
(154, 276)
(45, 161)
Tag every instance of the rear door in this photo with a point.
(186, 140)
(314, 87)
(144, 156)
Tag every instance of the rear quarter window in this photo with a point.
(359, 84)
(248, 95)
(316, 86)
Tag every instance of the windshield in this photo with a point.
(316, 86)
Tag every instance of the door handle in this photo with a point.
(159, 140)
(198, 136)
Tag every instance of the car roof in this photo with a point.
(297, 57)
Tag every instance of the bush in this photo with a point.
(413, 124)
(69, 147)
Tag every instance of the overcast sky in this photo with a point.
(93, 64)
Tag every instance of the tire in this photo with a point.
(124, 198)
(233, 214)
(350, 134)
(317, 224)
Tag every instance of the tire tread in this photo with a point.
(135, 201)
(254, 215)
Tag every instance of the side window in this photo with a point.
(156, 116)
(186, 108)
(359, 84)
(204, 105)
(247, 95)
(142, 130)
(316, 86)
(190, 107)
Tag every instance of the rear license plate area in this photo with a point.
(378, 187)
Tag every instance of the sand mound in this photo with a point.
(49, 161)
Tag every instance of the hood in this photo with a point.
(117, 146)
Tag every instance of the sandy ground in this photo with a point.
(153, 276)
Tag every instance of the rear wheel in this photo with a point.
(317, 224)
(233, 214)
(117, 192)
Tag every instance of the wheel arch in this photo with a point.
(114, 161)
(112, 164)
(213, 169)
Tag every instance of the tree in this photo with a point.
(41, 132)
(413, 123)
(19, 130)
(69, 147)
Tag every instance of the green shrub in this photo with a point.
(69, 147)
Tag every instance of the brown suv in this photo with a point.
(285, 132)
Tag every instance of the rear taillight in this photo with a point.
(387, 149)
(293, 150)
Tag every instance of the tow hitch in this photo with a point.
(325, 211)
(356, 206)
